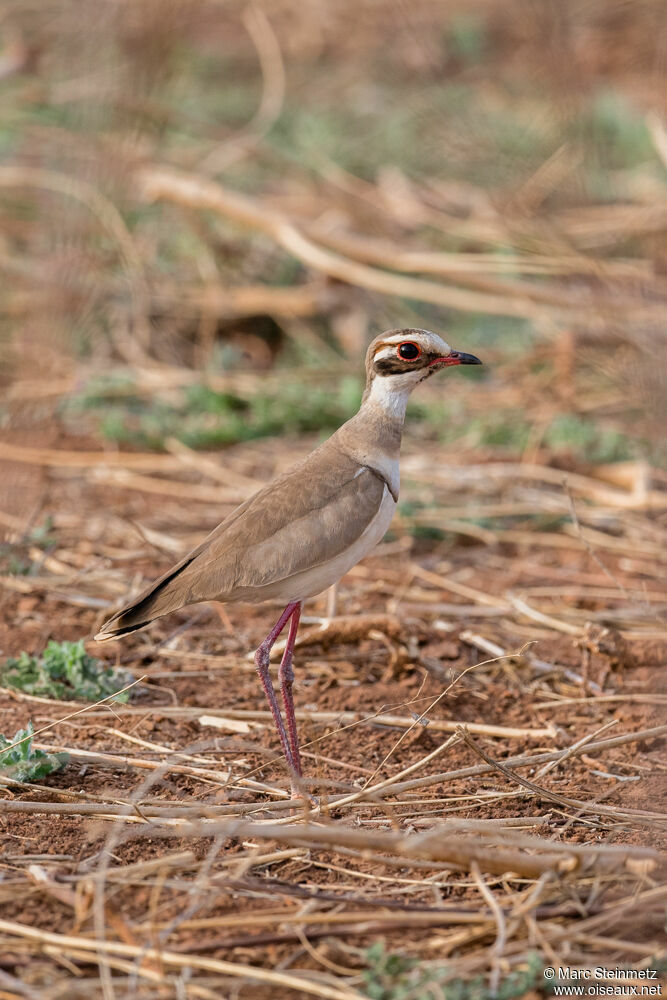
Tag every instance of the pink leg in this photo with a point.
(262, 659)
(286, 678)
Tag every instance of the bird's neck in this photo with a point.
(384, 397)
(373, 436)
(379, 422)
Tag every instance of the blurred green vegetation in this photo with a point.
(506, 133)
(203, 418)
(480, 134)
(14, 556)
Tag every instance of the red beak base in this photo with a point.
(456, 358)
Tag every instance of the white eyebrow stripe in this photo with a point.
(385, 352)
(400, 338)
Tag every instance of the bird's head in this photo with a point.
(398, 360)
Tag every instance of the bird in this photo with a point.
(301, 533)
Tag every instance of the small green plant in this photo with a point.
(395, 977)
(388, 977)
(23, 763)
(65, 671)
(42, 534)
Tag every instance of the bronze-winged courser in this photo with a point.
(303, 531)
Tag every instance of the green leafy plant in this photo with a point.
(23, 763)
(395, 977)
(65, 671)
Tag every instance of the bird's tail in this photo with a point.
(158, 599)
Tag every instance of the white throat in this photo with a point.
(390, 397)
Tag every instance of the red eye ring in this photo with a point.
(405, 351)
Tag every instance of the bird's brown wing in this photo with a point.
(299, 521)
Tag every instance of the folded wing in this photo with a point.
(301, 520)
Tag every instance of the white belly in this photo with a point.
(314, 581)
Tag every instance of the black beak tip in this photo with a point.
(466, 359)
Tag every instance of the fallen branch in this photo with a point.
(450, 843)
(157, 183)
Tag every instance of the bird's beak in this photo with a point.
(456, 358)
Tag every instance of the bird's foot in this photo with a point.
(300, 795)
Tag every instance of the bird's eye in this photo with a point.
(408, 351)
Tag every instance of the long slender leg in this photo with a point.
(262, 659)
(332, 600)
(286, 678)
